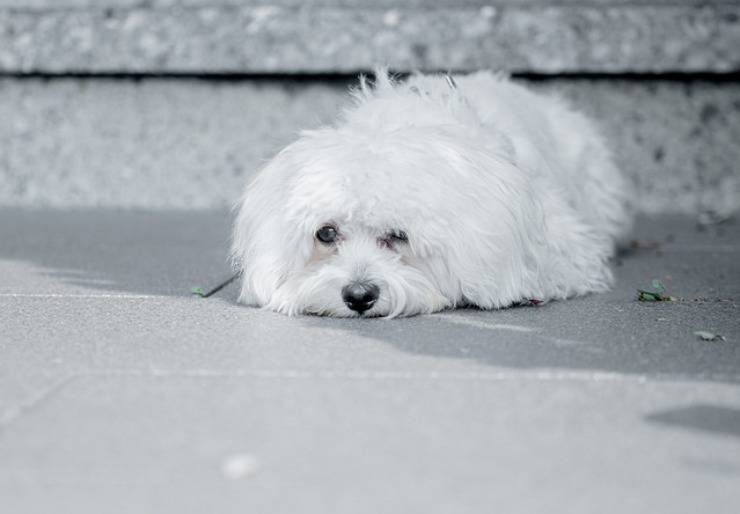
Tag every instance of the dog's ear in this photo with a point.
(508, 251)
(494, 257)
(266, 245)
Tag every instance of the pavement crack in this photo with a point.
(15, 412)
(538, 375)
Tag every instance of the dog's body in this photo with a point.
(430, 194)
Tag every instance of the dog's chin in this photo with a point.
(316, 294)
(344, 313)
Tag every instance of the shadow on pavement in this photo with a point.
(705, 418)
(575, 335)
(126, 251)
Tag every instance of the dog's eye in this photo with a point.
(398, 236)
(393, 238)
(327, 234)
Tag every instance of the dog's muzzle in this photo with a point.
(360, 296)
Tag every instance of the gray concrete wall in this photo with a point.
(287, 36)
(193, 143)
(180, 142)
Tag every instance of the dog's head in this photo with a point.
(395, 212)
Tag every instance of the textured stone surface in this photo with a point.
(193, 144)
(166, 143)
(119, 393)
(349, 36)
(680, 142)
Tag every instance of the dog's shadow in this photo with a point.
(583, 334)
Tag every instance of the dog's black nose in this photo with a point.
(360, 296)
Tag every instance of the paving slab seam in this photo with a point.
(540, 375)
(86, 296)
(15, 412)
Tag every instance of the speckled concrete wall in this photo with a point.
(165, 143)
(286, 36)
(680, 142)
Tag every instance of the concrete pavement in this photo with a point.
(121, 392)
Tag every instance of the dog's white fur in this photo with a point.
(506, 196)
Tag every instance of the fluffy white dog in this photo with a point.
(430, 194)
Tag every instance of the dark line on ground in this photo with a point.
(345, 77)
(221, 285)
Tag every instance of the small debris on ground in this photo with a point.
(197, 290)
(239, 465)
(644, 295)
(709, 336)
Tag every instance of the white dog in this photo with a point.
(430, 194)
